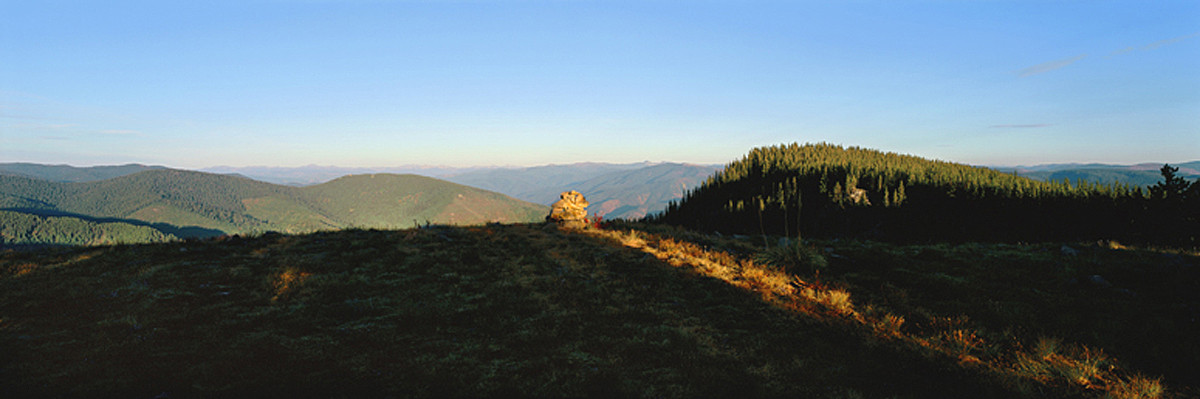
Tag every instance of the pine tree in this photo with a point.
(1172, 187)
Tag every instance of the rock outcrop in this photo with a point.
(570, 211)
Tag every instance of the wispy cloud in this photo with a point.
(1049, 66)
(1022, 126)
(1154, 45)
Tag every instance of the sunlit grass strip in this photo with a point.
(1050, 362)
(27, 268)
(23, 269)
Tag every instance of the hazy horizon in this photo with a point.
(582, 162)
(520, 84)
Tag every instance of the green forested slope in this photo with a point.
(66, 173)
(175, 197)
(17, 228)
(828, 190)
(387, 200)
(188, 204)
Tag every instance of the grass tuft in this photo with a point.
(794, 257)
(1136, 387)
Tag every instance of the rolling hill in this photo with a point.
(195, 204)
(392, 201)
(534, 183)
(67, 173)
(316, 174)
(616, 191)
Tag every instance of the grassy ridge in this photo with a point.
(524, 310)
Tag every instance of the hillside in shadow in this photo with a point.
(528, 310)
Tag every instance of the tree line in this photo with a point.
(825, 190)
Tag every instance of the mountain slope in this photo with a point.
(616, 191)
(532, 184)
(28, 229)
(185, 203)
(526, 311)
(636, 193)
(387, 200)
(176, 197)
(314, 174)
(831, 191)
(66, 173)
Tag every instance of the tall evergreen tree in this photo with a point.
(1172, 187)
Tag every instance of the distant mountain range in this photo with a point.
(627, 191)
(615, 191)
(316, 174)
(179, 204)
(138, 203)
(67, 173)
(1145, 174)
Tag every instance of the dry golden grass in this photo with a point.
(1135, 387)
(500, 311)
(1051, 362)
(288, 281)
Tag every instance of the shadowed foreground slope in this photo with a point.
(477, 311)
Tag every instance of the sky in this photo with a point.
(521, 83)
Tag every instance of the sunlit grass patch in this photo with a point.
(888, 325)
(23, 269)
(1051, 363)
(287, 281)
(1136, 387)
(1051, 360)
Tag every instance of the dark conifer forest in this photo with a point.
(825, 190)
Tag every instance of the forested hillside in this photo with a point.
(830, 191)
(393, 201)
(18, 228)
(195, 204)
(66, 173)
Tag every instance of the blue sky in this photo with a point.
(472, 83)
